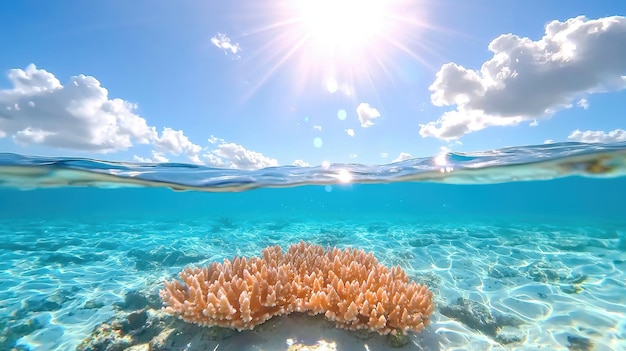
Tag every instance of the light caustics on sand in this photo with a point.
(539, 162)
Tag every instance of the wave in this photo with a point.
(523, 163)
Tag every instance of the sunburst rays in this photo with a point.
(351, 42)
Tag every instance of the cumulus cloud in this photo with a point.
(223, 155)
(366, 114)
(176, 143)
(301, 163)
(528, 79)
(403, 157)
(79, 115)
(214, 160)
(350, 132)
(223, 42)
(231, 155)
(31, 136)
(598, 136)
(157, 157)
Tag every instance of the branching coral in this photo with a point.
(349, 286)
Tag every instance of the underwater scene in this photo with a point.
(521, 248)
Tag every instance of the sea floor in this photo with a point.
(507, 285)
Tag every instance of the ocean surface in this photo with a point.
(524, 248)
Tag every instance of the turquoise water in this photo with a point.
(533, 238)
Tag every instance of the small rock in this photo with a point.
(502, 271)
(140, 347)
(579, 343)
(104, 337)
(477, 316)
(92, 305)
(572, 289)
(472, 314)
(135, 300)
(11, 333)
(362, 334)
(136, 321)
(160, 341)
(509, 335)
(397, 340)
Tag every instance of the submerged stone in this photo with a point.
(477, 316)
(579, 343)
(397, 340)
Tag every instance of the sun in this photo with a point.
(338, 45)
(343, 25)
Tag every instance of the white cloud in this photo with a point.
(350, 132)
(384, 154)
(40, 110)
(223, 42)
(80, 115)
(353, 155)
(301, 163)
(366, 114)
(195, 159)
(31, 136)
(215, 140)
(176, 143)
(142, 159)
(317, 127)
(157, 157)
(528, 79)
(232, 155)
(583, 103)
(598, 136)
(403, 157)
(214, 160)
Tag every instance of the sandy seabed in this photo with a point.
(497, 286)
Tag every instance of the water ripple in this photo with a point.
(523, 163)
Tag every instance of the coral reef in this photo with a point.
(348, 286)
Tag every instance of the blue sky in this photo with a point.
(249, 84)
